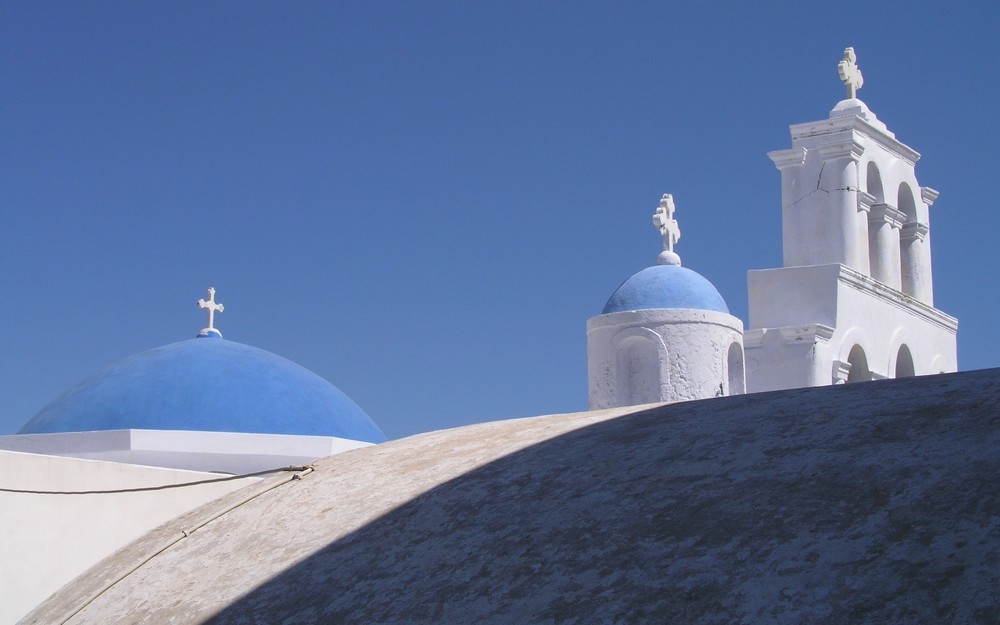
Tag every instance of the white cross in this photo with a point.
(850, 74)
(211, 306)
(664, 221)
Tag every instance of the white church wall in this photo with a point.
(890, 320)
(801, 339)
(687, 351)
(792, 296)
(48, 539)
(787, 357)
(854, 300)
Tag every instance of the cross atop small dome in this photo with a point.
(212, 307)
(664, 221)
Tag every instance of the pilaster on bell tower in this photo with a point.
(854, 299)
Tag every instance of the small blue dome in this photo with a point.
(207, 384)
(666, 286)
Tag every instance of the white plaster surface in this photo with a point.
(46, 540)
(784, 349)
(823, 176)
(864, 504)
(657, 355)
(220, 452)
(857, 261)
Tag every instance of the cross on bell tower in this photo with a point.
(212, 307)
(850, 73)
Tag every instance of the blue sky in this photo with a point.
(424, 202)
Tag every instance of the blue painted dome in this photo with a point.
(207, 384)
(666, 286)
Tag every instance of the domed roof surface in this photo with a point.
(678, 513)
(666, 286)
(207, 384)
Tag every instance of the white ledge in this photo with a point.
(852, 125)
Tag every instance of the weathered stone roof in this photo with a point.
(868, 503)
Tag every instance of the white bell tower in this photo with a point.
(854, 300)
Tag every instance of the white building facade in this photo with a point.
(854, 300)
(153, 436)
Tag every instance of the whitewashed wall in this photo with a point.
(846, 309)
(657, 355)
(46, 539)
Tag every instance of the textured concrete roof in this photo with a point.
(869, 503)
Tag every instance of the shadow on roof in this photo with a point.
(874, 503)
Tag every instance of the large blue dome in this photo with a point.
(207, 384)
(666, 286)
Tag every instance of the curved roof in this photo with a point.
(666, 286)
(207, 384)
(880, 502)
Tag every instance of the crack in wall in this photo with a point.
(819, 182)
(819, 188)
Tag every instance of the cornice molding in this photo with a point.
(928, 195)
(913, 231)
(886, 213)
(792, 157)
(861, 282)
(852, 149)
(841, 370)
(854, 125)
(865, 201)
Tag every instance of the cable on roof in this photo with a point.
(140, 489)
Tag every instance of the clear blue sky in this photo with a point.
(424, 202)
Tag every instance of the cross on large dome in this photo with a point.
(207, 384)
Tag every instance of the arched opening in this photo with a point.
(904, 363)
(907, 261)
(638, 372)
(906, 204)
(859, 371)
(873, 186)
(734, 370)
(873, 183)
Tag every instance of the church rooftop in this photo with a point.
(868, 503)
(667, 284)
(207, 384)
